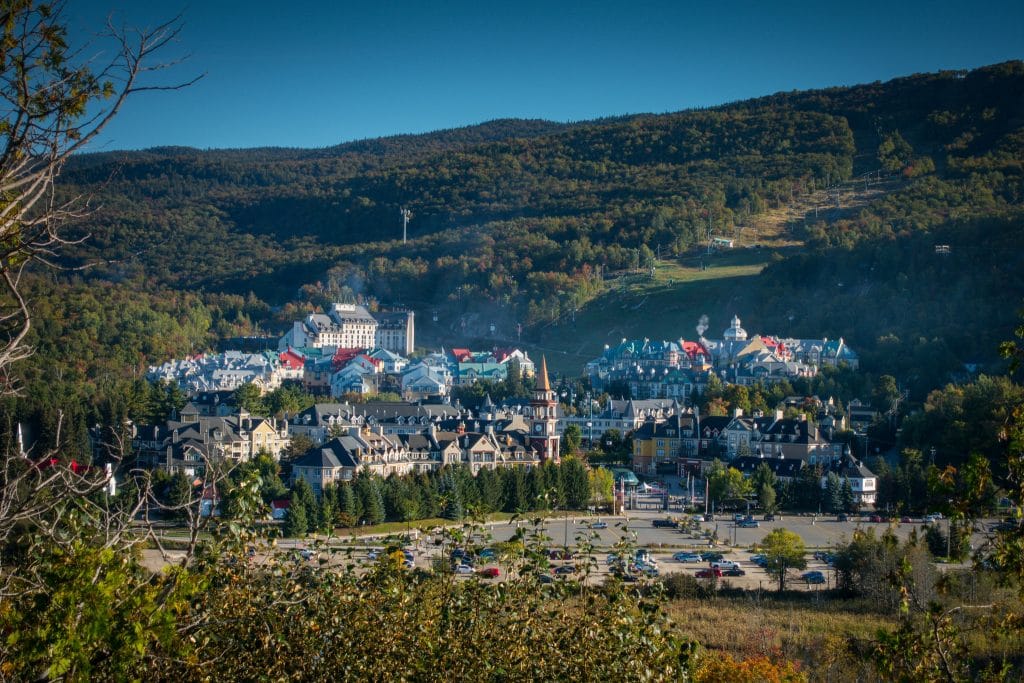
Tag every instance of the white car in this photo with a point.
(463, 569)
(725, 564)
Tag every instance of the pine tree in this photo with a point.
(295, 522)
(575, 483)
(833, 492)
(848, 499)
(327, 512)
(347, 503)
(370, 497)
(515, 490)
(488, 483)
(451, 496)
(302, 495)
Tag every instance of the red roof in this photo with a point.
(283, 504)
(461, 354)
(292, 360)
(694, 349)
(343, 357)
(775, 345)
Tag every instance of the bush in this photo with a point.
(680, 585)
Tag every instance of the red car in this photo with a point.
(876, 518)
(490, 572)
(708, 573)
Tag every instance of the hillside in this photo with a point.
(836, 198)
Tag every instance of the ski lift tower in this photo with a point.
(406, 215)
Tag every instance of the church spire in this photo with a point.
(544, 385)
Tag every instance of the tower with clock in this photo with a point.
(544, 416)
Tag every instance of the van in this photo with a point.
(725, 564)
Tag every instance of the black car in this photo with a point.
(665, 523)
(735, 571)
(711, 557)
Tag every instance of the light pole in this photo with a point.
(590, 423)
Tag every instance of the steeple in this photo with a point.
(543, 384)
(544, 416)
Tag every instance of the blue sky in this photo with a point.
(314, 74)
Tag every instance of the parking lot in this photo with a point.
(636, 529)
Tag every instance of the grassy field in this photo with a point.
(667, 306)
(817, 635)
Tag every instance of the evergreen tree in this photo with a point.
(327, 511)
(347, 504)
(179, 494)
(849, 501)
(536, 489)
(833, 492)
(426, 491)
(370, 497)
(575, 483)
(571, 439)
(766, 496)
(807, 488)
(556, 487)
(295, 523)
(451, 496)
(394, 492)
(488, 484)
(516, 490)
(302, 495)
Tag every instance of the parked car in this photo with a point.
(841, 517)
(408, 564)
(664, 523)
(490, 572)
(307, 554)
(711, 556)
(748, 524)
(564, 570)
(487, 554)
(813, 577)
(648, 567)
(875, 518)
(759, 560)
(725, 564)
(709, 517)
(599, 525)
(769, 517)
(560, 554)
(708, 573)
(462, 569)
(735, 571)
(374, 554)
(686, 557)
(626, 576)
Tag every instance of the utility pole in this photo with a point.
(406, 216)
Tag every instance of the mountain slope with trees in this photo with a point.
(542, 224)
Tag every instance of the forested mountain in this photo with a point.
(532, 222)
